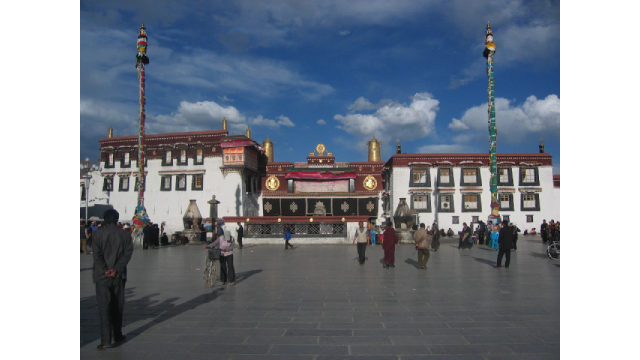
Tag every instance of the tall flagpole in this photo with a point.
(490, 49)
(140, 219)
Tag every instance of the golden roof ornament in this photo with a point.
(224, 123)
(268, 149)
(374, 149)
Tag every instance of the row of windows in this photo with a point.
(472, 203)
(183, 157)
(420, 177)
(165, 183)
(476, 219)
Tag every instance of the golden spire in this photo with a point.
(249, 132)
(374, 149)
(224, 124)
(399, 151)
(110, 131)
(268, 149)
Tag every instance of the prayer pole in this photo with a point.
(141, 219)
(490, 49)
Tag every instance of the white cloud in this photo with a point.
(200, 115)
(322, 122)
(514, 122)
(395, 120)
(458, 125)
(345, 32)
(282, 121)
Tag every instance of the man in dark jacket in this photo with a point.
(112, 250)
(505, 243)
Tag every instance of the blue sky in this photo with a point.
(331, 72)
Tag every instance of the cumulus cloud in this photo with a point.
(514, 121)
(321, 122)
(458, 125)
(282, 121)
(394, 120)
(362, 104)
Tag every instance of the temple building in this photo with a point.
(322, 198)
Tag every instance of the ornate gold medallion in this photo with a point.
(320, 149)
(272, 183)
(370, 183)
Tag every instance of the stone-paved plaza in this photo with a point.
(317, 302)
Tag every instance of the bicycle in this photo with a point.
(211, 266)
(553, 250)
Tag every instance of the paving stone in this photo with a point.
(317, 303)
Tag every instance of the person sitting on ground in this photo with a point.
(449, 232)
(533, 231)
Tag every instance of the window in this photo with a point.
(125, 161)
(182, 158)
(421, 202)
(124, 183)
(530, 202)
(198, 156)
(197, 182)
(529, 176)
(109, 161)
(445, 177)
(167, 160)
(445, 203)
(504, 177)
(506, 202)
(233, 156)
(420, 177)
(165, 183)
(470, 177)
(107, 185)
(181, 182)
(471, 203)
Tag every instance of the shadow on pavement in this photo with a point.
(538, 255)
(143, 309)
(488, 262)
(411, 261)
(240, 277)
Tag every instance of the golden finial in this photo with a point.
(224, 123)
(110, 131)
(249, 132)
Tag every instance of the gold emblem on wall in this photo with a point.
(320, 149)
(370, 183)
(272, 183)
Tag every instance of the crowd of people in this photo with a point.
(111, 244)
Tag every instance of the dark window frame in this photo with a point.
(106, 160)
(422, 210)
(536, 181)
(427, 175)
(510, 176)
(107, 184)
(122, 159)
(479, 202)
(122, 181)
(194, 181)
(195, 156)
(451, 207)
(448, 184)
(186, 156)
(536, 208)
(164, 157)
(478, 181)
(511, 206)
(165, 183)
(178, 187)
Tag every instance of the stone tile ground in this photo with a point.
(317, 303)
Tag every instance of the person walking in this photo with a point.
(112, 251)
(495, 235)
(372, 234)
(362, 238)
(388, 245)
(240, 231)
(287, 237)
(544, 231)
(482, 228)
(435, 240)
(421, 238)
(505, 243)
